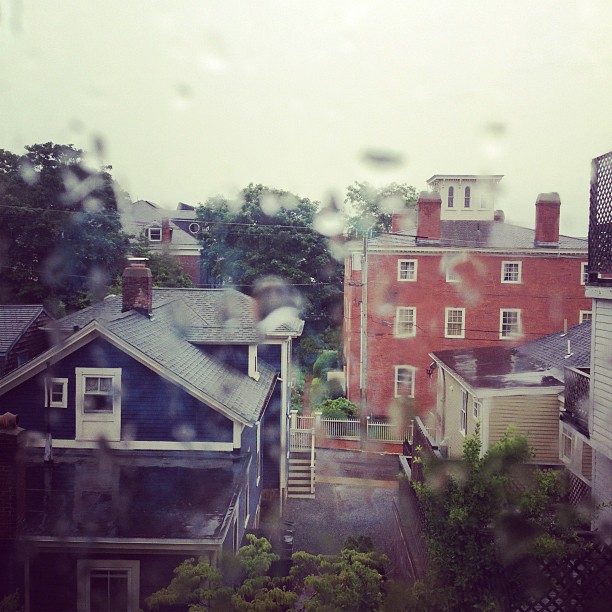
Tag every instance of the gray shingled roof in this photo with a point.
(474, 235)
(538, 363)
(14, 321)
(181, 320)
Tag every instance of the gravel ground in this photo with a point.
(354, 496)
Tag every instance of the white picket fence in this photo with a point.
(350, 429)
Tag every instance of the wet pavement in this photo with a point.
(355, 492)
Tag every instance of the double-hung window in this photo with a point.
(511, 272)
(468, 197)
(405, 322)
(56, 392)
(155, 233)
(451, 197)
(105, 585)
(567, 442)
(584, 273)
(585, 315)
(404, 381)
(407, 270)
(510, 325)
(454, 325)
(98, 403)
(477, 409)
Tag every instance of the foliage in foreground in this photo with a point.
(352, 580)
(489, 519)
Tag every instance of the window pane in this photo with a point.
(98, 403)
(108, 591)
(91, 384)
(106, 385)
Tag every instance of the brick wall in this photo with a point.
(549, 294)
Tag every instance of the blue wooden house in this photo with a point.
(162, 416)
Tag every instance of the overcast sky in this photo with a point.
(194, 98)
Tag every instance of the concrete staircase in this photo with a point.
(301, 477)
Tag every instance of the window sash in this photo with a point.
(510, 323)
(56, 392)
(407, 269)
(586, 315)
(584, 273)
(405, 321)
(511, 272)
(451, 197)
(463, 416)
(98, 394)
(155, 234)
(455, 323)
(467, 200)
(404, 381)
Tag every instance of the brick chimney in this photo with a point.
(138, 286)
(166, 230)
(429, 207)
(547, 219)
(12, 481)
(403, 221)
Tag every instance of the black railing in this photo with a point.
(577, 382)
(600, 221)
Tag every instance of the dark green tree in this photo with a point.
(371, 208)
(60, 235)
(267, 232)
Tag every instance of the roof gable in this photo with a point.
(15, 321)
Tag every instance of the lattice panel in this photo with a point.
(578, 491)
(577, 396)
(600, 218)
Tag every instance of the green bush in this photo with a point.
(326, 361)
(339, 408)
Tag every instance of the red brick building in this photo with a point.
(453, 274)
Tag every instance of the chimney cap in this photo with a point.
(134, 262)
(430, 196)
(552, 198)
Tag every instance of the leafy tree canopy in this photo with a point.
(267, 232)
(489, 515)
(371, 208)
(60, 234)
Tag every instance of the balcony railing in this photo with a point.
(577, 382)
(600, 221)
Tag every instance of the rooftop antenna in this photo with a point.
(569, 350)
(564, 329)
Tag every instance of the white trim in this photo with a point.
(253, 371)
(237, 434)
(412, 323)
(156, 228)
(503, 272)
(452, 276)
(463, 412)
(399, 270)
(91, 425)
(566, 434)
(447, 311)
(583, 271)
(49, 403)
(519, 324)
(476, 409)
(397, 368)
(131, 568)
(581, 316)
(136, 445)
(258, 451)
(247, 499)
(135, 544)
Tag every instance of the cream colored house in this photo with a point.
(505, 387)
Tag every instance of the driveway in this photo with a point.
(355, 492)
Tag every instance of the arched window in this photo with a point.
(468, 193)
(451, 197)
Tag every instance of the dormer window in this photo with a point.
(467, 198)
(451, 197)
(154, 233)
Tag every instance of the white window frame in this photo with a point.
(519, 278)
(397, 370)
(414, 271)
(584, 272)
(412, 314)
(585, 315)
(450, 201)
(156, 229)
(476, 409)
(84, 570)
(566, 437)
(49, 402)
(467, 197)
(519, 324)
(93, 425)
(463, 412)
(247, 495)
(258, 448)
(452, 276)
(447, 312)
